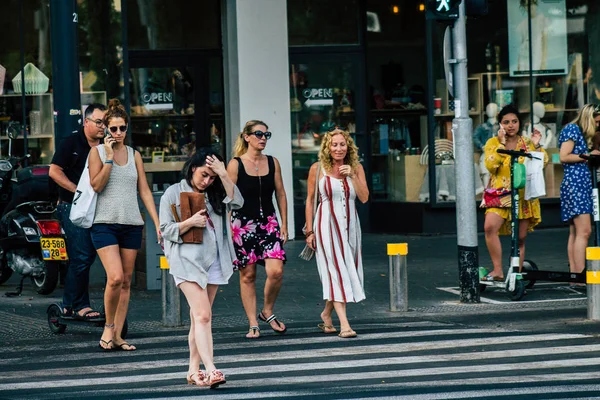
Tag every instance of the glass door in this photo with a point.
(325, 92)
(176, 107)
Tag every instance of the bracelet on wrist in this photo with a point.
(309, 234)
(108, 162)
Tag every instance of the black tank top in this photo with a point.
(256, 191)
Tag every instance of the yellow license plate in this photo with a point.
(53, 249)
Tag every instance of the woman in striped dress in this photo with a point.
(334, 232)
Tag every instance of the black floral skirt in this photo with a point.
(256, 239)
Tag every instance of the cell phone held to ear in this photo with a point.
(107, 136)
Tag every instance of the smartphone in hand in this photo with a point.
(107, 135)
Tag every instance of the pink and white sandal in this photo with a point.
(197, 378)
(214, 379)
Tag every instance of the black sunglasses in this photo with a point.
(260, 134)
(336, 128)
(123, 128)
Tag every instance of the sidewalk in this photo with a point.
(432, 264)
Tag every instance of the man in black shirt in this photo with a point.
(67, 166)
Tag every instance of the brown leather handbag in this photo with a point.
(191, 203)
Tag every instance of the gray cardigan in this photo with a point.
(189, 261)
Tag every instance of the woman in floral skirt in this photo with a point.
(258, 237)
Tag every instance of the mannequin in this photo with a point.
(547, 136)
(488, 129)
(482, 134)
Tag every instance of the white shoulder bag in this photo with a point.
(83, 208)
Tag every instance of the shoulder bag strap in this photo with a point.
(316, 190)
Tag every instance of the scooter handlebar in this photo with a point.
(514, 153)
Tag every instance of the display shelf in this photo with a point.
(31, 137)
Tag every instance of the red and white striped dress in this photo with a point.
(338, 235)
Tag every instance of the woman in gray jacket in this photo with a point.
(198, 269)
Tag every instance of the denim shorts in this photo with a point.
(126, 236)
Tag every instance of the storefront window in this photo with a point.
(317, 22)
(397, 77)
(100, 50)
(322, 98)
(38, 60)
(174, 110)
(561, 79)
(173, 24)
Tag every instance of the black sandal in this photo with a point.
(271, 319)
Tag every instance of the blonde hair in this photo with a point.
(585, 121)
(241, 146)
(325, 157)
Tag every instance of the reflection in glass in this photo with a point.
(322, 98)
(312, 22)
(173, 24)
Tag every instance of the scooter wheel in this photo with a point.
(529, 265)
(519, 291)
(54, 313)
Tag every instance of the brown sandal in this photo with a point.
(327, 328)
(347, 334)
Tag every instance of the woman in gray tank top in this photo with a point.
(117, 174)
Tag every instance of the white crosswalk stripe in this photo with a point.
(403, 360)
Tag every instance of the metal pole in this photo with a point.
(398, 276)
(531, 89)
(171, 301)
(430, 119)
(23, 103)
(593, 282)
(466, 210)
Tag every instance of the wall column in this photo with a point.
(256, 78)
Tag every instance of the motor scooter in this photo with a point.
(32, 241)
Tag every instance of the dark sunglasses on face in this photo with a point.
(260, 134)
(122, 128)
(99, 123)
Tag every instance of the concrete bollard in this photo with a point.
(171, 301)
(398, 276)
(592, 278)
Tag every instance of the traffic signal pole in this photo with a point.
(466, 209)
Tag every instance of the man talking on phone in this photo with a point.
(66, 168)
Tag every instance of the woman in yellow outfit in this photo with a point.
(497, 220)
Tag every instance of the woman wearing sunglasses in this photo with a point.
(117, 175)
(258, 237)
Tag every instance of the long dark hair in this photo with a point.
(216, 191)
(510, 109)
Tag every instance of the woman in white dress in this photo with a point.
(334, 232)
(199, 268)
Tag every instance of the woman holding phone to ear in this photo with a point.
(117, 175)
(258, 238)
(497, 219)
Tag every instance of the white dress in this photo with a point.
(338, 235)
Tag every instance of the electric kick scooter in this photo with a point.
(515, 281)
(553, 276)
